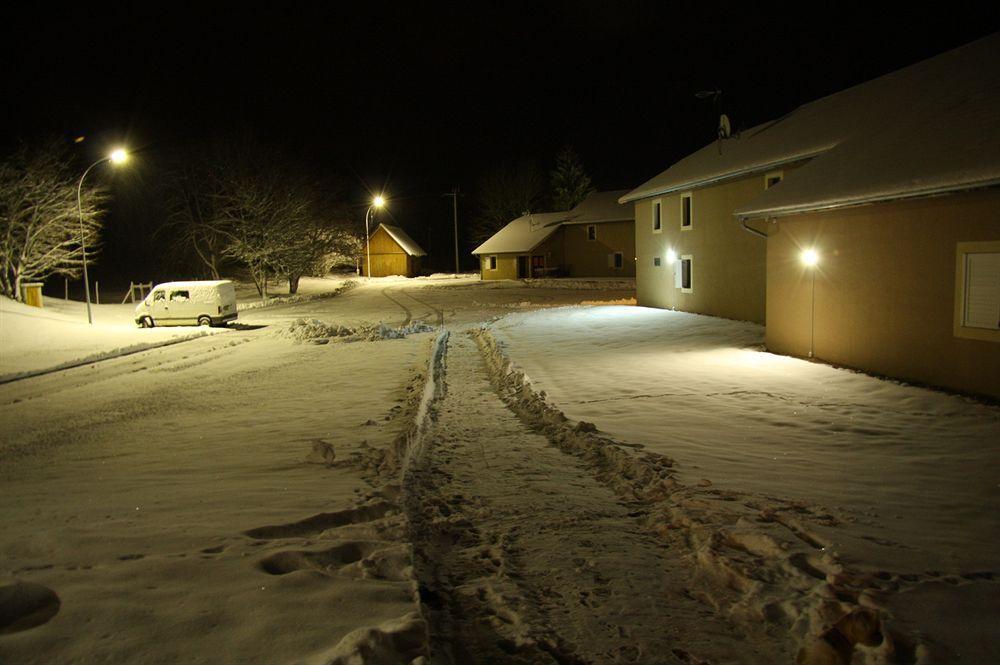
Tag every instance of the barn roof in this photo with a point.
(925, 128)
(408, 244)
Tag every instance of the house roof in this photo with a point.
(601, 207)
(523, 234)
(925, 128)
(403, 240)
(528, 231)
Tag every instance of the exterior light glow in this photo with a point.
(671, 256)
(378, 201)
(119, 156)
(810, 257)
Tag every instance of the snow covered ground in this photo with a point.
(901, 482)
(371, 473)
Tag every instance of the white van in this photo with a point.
(210, 303)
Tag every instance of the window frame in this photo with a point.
(690, 211)
(780, 175)
(491, 262)
(680, 266)
(656, 215)
(962, 252)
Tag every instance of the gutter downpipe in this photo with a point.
(743, 224)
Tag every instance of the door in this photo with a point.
(159, 309)
(522, 267)
(538, 265)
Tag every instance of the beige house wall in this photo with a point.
(506, 266)
(886, 289)
(589, 258)
(728, 264)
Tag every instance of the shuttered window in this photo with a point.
(982, 291)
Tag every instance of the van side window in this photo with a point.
(180, 296)
(159, 295)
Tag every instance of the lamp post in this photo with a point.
(810, 258)
(118, 156)
(377, 203)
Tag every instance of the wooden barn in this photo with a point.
(393, 252)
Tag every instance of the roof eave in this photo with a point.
(731, 175)
(865, 200)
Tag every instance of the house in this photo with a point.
(594, 239)
(889, 189)
(393, 252)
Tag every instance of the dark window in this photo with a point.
(773, 180)
(685, 273)
(493, 263)
(180, 295)
(592, 232)
(656, 216)
(685, 211)
(159, 295)
(656, 261)
(618, 260)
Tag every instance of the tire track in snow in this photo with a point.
(406, 310)
(437, 312)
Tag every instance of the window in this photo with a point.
(180, 296)
(977, 291)
(159, 295)
(592, 232)
(657, 222)
(683, 274)
(491, 263)
(686, 213)
(773, 178)
(616, 260)
(656, 261)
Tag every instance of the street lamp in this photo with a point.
(810, 258)
(117, 157)
(377, 203)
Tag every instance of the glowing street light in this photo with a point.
(117, 157)
(810, 257)
(378, 202)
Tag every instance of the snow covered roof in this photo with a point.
(523, 234)
(402, 239)
(926, 128)
(528, 231)
(192, 283)
(601, 207)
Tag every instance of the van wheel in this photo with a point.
(146, 322)
(204, 320)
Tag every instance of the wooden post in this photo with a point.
(66, 288)
(97, 291)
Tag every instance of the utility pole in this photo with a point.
(454, 202)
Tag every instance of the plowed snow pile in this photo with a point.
(305, 330)
(889, 490)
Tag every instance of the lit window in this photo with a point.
(592, 232)
(657, 222)
(686, 213)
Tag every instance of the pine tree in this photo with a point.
(570, 184)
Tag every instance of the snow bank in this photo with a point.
(592, 283)
(314, 330)
(297, 298)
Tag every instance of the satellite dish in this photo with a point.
(725, 131)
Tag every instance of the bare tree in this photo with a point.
(192, 219)
(505, 193)
(41, 228)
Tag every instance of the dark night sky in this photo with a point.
(418, 99)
